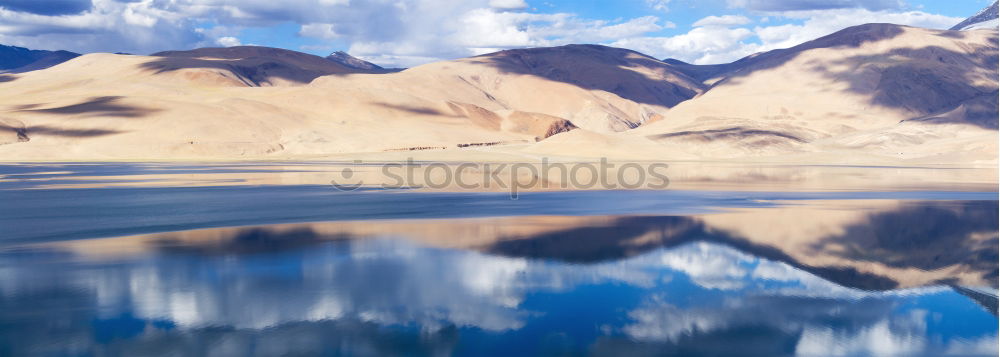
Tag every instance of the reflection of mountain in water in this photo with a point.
(927, 236)
(630, 285)
(899, 245)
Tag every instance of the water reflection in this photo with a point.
(864, 244)
(683, 285)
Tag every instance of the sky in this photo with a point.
(405, 33)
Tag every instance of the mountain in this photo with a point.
(598, 88)
(353, 62)
(708, 73)
(261, 102)
(643, 79)
(871, 88)
(254, 65)
(18, 59)
(986, 18)
(871, 94)
(49, 60)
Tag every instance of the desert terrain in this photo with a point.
(876, 94)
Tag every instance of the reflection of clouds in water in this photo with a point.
(899, 337)
(983, 346)
(666, 322)
(714, 266)
(829, 328)
(388, 282)
(708, 266)
(395, 282)
(800, 303)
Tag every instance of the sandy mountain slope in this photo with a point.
(870, 94)
(879, 89)
(205, 104)
(598, 88)
(254, 65)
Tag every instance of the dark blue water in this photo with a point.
(57, 214)
(653, 279)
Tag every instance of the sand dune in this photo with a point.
(875, 93)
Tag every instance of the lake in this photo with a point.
(268, 259)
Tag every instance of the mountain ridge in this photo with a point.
(892, 92)
(15, 59)
(989, 15)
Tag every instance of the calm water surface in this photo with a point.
(300, 269)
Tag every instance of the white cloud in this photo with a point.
(724, 20)
(228, 41)
(412, 32)
(659, 5)
(508, 4)
(700, 45)
(106, 26)
(322, 31)
(482, 30)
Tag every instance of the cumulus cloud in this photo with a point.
(106, 26)
(724, 20)
(412, 32)
(700, 45)
(659, 5)
(322, 31)
(481, 30)
(228, 41)
(508, 4)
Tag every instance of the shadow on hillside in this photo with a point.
(6, 78)
(925, 90)
(251, 71)
(107, 106)
(924, 81)
(413, 109)
(25, 134)
(596, 67)
(851, 37)
(75, 133)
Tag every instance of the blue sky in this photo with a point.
(413, 32)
